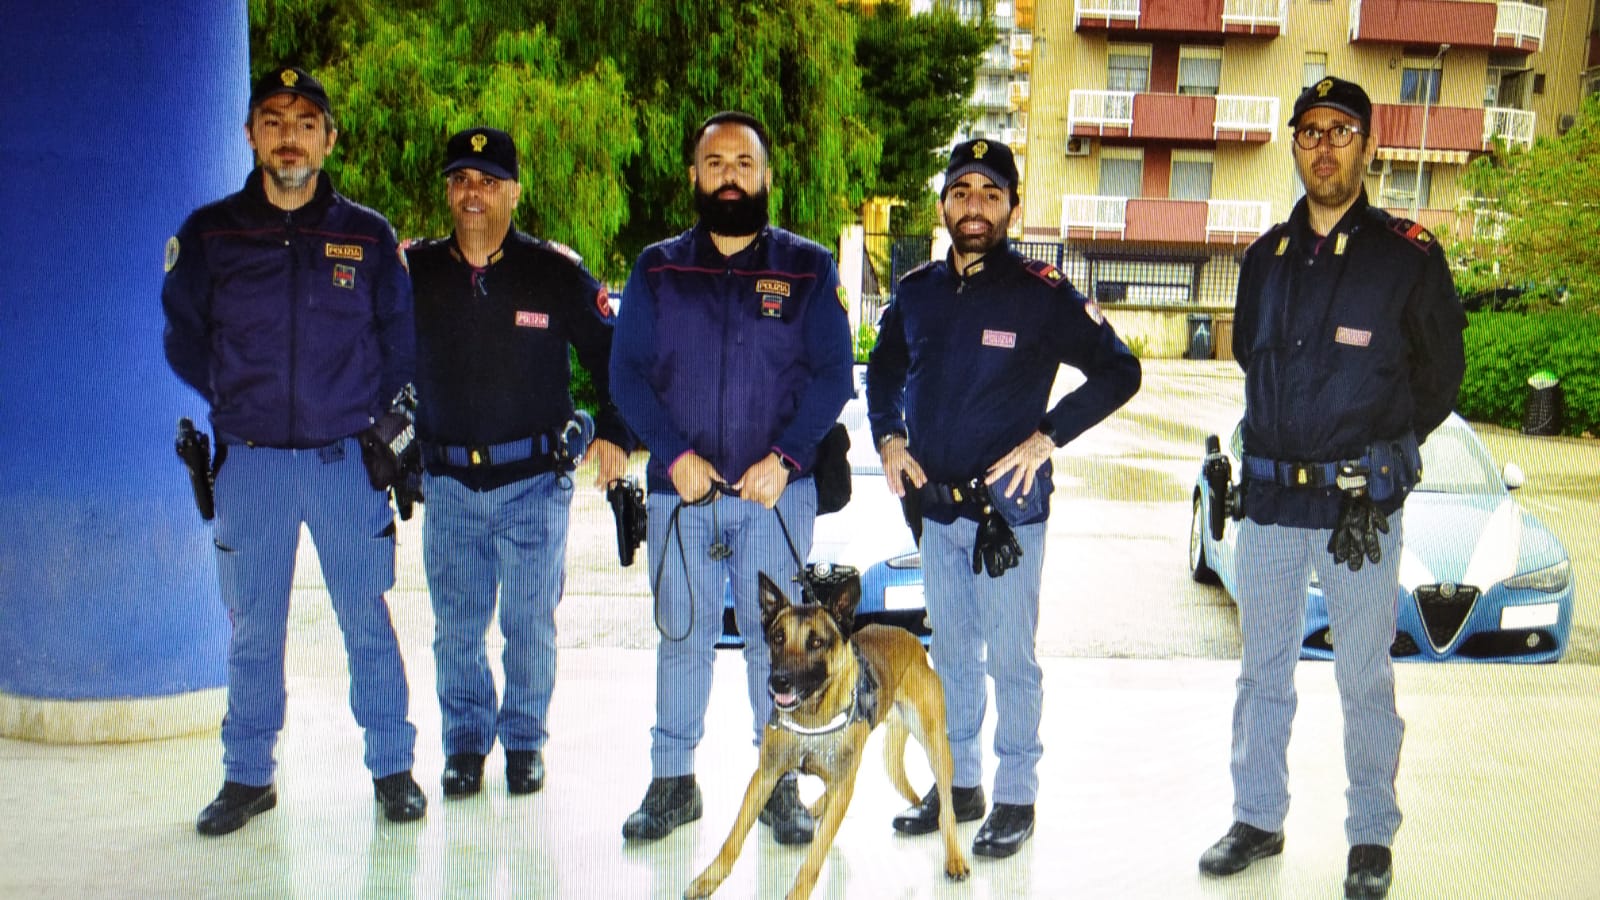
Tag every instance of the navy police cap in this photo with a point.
(991, 159)
(289, 80)
(1335, 93)
(489, 150)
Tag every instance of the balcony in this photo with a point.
(992, 99)
(1021, 51)
(1507, 25)
(1172, 117)
(1454, 132)
(1019, 95)
(1092, 217)
(1195, 17)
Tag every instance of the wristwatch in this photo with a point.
(884, 441)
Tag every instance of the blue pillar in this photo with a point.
(118, 118)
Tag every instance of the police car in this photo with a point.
(869, 534)
(1481, 579)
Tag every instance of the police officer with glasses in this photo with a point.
(1349, 333)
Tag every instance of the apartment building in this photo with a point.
(1155, 137)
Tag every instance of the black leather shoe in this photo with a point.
(1241, 846)
(924, 817)
(234, 806)
(524, 771)
(791, 823)
(1369, 872)
(402, 800)
(668, 803)
(1004, 831)
(463, 774)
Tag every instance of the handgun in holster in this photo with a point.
(194, 448)
(911, 508)
(628, 508)
(1226, 498)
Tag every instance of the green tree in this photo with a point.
(1536, 222)
(917, 73)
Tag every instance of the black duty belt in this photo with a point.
(481, 455)
(1291, 474)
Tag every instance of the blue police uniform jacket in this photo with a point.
(965, 361)
(1345, 341)
(294, 324)
(492, 349)
(733, 357)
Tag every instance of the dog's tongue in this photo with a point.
(784, 701)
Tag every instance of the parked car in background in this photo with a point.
(869, 534)
(1481, 578)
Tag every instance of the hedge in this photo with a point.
(1505, 348)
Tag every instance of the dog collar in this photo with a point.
(836, 723)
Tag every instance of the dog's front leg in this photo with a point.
(835, 800)
(755, 796)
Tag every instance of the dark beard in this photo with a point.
(745, 214)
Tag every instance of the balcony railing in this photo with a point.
(1094, 212)
(1255, 14)
(1514, 126)
(1518, 22)
(991, 99)
(1019, 93)
(1015, 138)
(1235, 218)
(1125, 10)
(1239, 113)
(1488, 223)
(1099, 109)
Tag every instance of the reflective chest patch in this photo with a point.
(1354, 337)
(1005, 339)
(527, 319)
(344, 251)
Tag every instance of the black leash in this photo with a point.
(718, 551)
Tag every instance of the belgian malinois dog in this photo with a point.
(829, 690)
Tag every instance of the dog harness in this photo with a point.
(863, 704)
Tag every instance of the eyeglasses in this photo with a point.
(1338, 136)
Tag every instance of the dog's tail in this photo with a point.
(894, 755)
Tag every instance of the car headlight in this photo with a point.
(908, 561)
(1549, 579)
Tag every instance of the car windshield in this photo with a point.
(1453, 462)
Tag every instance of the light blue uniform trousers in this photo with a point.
(510, 543)
(684, 667)
(263, 496)
(987, 625)
(1275, 565)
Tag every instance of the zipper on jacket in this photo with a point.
(295, 289)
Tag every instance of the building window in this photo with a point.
(1314, 69)
(1121, 171)
(1419, 80)
(1128, 68)
(1199, 70)
(1400, 187)
(1191, 175)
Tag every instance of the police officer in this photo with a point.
(732, 361)
(289, 311)
(1349, 333)
(957, 390)
(496, 312)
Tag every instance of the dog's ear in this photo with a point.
(841, 604)
(773, 601)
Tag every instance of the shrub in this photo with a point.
(1504, 348)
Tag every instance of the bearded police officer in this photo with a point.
(288, 309)
(957, 393)
(497, 311)
(1349, 333)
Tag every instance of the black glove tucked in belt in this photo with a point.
(1360, 521)
(996, 548)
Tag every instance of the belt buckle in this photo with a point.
(1300, 473)
(477, 456)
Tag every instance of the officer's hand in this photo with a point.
(611, 462)
(897, 462)
(995, 549)
(1022, 463)
(763, 482)
(692, 476)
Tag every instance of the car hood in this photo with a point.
(866, 532)
(1479, 540)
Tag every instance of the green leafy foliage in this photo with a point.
(1545, 202)
(1504, 349)
(866, 339)
(916, 73)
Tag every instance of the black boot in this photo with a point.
(1006, 828)
(1236, 850)
(234, 806)
(402, 799)
(924, 817)
(524, 771)
(463, 774)
(668, 803)
(791, 823)
(1369, 872)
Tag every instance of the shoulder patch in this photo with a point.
(172, 253)
(919, 270)
(1045, 272)
(1414, 233)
